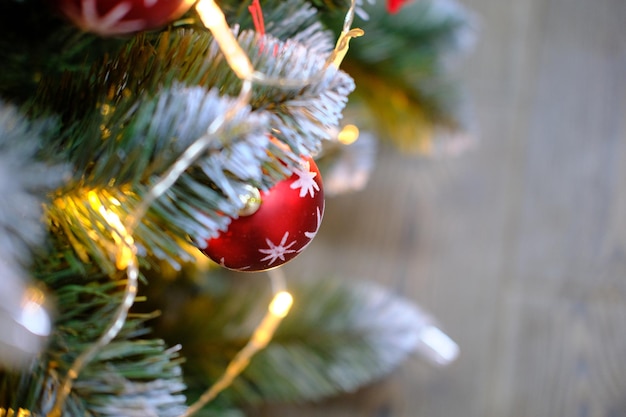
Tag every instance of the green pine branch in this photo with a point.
(123, 120)
(132, 116)
(124, 110)
(132, 375)
(405, 89)
(338, 337)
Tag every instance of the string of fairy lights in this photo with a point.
(122, 231)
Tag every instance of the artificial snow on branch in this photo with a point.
(25, 181)
(141, 120)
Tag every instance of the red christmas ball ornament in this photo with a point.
(394, 6)
(285, 221)
(117, 17)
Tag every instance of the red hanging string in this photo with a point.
(257, 16)
(259, 24)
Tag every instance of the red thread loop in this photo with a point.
(257, 16)
(259, 24)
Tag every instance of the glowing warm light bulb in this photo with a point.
(34, 316)
(348, 135)
(94, 201)
(123, 240)
(281, 304)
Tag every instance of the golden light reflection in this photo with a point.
(123, 240)
(4, 412)
(348, 135)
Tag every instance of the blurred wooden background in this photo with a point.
(518, 246)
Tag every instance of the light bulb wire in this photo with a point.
(126, 259)
(261, 336)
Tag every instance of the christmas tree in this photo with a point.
(138, 136)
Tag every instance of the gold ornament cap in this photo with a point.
(251, 201)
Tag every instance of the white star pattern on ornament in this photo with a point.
(312, 234)
(88, 18)
(305, 181)
(277, 252)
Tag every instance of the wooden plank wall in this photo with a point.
(517, 245)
